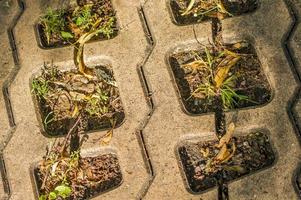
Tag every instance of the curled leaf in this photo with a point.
(194, 65)
(227, 137)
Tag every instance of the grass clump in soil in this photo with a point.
(93, 92)
(231, 73)
(65, 26)
(63, 95)
(216, 80)
(65, 174)
(195, 11)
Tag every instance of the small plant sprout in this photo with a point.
(60, 191)
(40, 87)
(53, 23)
(68, 25)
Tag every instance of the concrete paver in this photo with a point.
(167, 125)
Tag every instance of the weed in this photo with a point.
(97, 105)
(59, 167)
(40, 87)
(230, 97)
(60, 191)
(53, 23)
(64, 25)
(216, 81)
(48, 119)
(107, 29)
(83, 17)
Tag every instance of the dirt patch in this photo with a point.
(62, 95)
(247, 82)
(93, 176)
(64, 27)
(201, 11)
(253, 152)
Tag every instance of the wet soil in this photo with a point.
(235, 8)
(253, 152)
(68, 93)
(94, 176)
(102, 9)
(250, 79)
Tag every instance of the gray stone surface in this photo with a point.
(8, 10)
(265, 30)
(27, 144)
(168, 125)
(267, 35)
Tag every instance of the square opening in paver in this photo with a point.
(186, 12)
(63, 27)
(204, 164)
(231, 72)
(77, 178)
(61, 96)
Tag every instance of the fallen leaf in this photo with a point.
(75, 111)
(195, 65)
(222, 154)
(222, 71)
(227, 137)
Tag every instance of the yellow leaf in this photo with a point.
(231, 53)
(222, 154)
(223, 70)
(195, 65)
(75, 111)
(227, 137)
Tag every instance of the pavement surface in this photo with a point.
(156, 122)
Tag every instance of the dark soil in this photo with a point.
(94, 176)
(70, 93)
(236, 7)
(253, 152)
(250, 81)
(102, 9)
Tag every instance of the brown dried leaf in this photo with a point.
(223, 70)
(195, 65)
(222, 154)
(231, 155)
(227, 137)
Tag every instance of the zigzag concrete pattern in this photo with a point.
(8, 10)
(27, 145)
(167, 125)
(267, 36)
